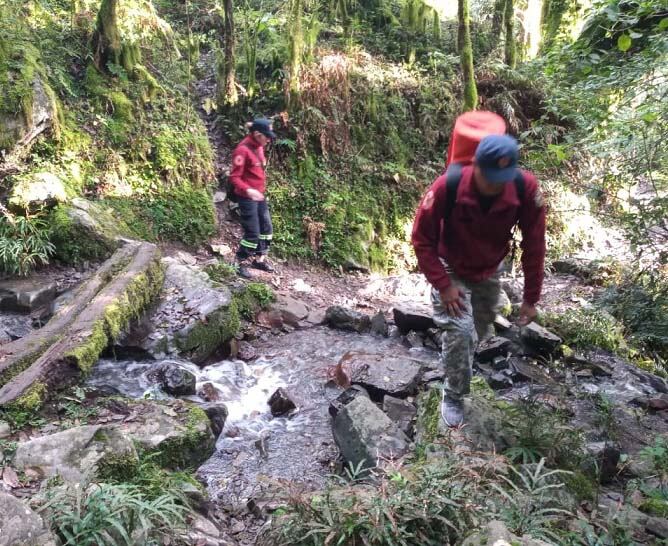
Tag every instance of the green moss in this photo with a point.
(220, 272)
(655, 507)
(123, 108)
(86, 354)
(581, 485)
(118, 468)
(30, 402)
(428, 422)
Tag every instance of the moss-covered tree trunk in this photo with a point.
(497, 18)
(551, 17)
(510, 49)
(466, 55)
(296, 46)
(108, 48)
(227, 85)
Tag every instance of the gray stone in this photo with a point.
(280, 402)
(20, 526)
(657, 527)
(209, 392)
(495, 533)
(345, 398)
(486, 425)
(37, 190)
(501, 323)
(381, 374)
(654, 403)
(25, 295)
(217, 414)
(415, 339)
(379, 324)
(99, 224)
(433, 375)
(219, 197)
(341, 318)
(495, 346)
(365, 435)
(540, 338)
(72, 454)
(413, 317)
(293, 310)
(185, 258)
(499, 363)
(602, 461)
(174, 379)
(524, 370)
(5, 430)
(402, 412)
(499, 381)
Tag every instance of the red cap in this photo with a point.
(470, 129)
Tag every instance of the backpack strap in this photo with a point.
(453, 176)
(520, 186)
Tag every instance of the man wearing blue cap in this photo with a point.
(249, 181)
(461, 234)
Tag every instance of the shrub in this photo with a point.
(24, 242)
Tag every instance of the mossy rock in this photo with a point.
(36, 190)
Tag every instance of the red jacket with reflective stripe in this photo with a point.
(475, 242)
(248, 167)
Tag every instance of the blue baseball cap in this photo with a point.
(497, 157)
(264, 126)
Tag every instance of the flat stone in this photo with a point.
(185, 258)
(540, 338)
(25, 295)
(20, 526)
(280, 402)
(381, 375)
(413, 317)
(433, 375)
(365, 435)
(524, 370)
(495, 346)
(379, 324)
(345, 398)
(657, 527)
(221, 250)
(402, 412)
(287, 304)
(502, 324)
(341, 318)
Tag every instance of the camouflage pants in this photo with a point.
(461, 334)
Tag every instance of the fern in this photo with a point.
(24, 242)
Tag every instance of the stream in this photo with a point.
(256, 451)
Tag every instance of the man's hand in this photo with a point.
(528, 312)
(453, 301)
(254, 195)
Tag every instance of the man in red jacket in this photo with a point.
(460, 241)
(249, 181)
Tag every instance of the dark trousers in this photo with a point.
(258, 231)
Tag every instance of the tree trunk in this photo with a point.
(466, 55)
(497, 18)
(510, 46)
(296, 46)
(552, 14)
(227, 85)
(108, 47)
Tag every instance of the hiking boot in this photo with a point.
(243, 271)
(263, 266)
(452, 411)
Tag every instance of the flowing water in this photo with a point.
(256, 451)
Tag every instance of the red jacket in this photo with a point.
(474, 243)
(248, 164)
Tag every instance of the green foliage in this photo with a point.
(113, 514)
(657, 456)
(24, 242)
(221, 272)
(587, 328)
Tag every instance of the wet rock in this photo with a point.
(415, 339)
(75, 453)
(655, 403)
(495, 346)
(393, 331)
(603, 460)
(540, 338)
(413, 317)
(20, 526)
(5, 429)
(345, 398)
(379, 324)
(25, 295)
(174, 379)
(402, 412)
(246, 351)
(17, 327)
(657, 527)
(209, 392)
(524, 370)
(365, 435)
(433, 375)
(346, 319)
(382, 374)
(657, 383)
(280, 402)
(217, 414)
(295, 309)
(495, 533)
(499, 381)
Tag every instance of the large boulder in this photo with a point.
(194, 316)
(20, 526)
(36, 190)
(413, 317)
(380, 374)
(74, 454)
(345, 398)
(365, 435)
(342, 318)
(174, 379)
(25, 295)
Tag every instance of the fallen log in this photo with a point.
(105, 317)
(18, 355)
